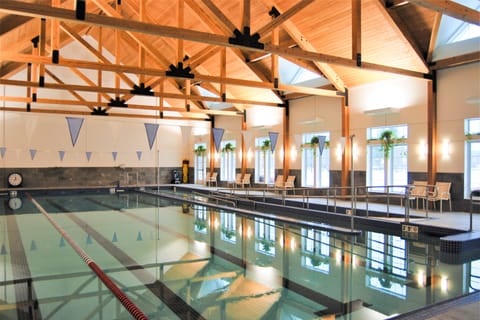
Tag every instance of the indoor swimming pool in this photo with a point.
(177, 259)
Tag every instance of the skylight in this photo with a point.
(290, 73)
(456, 37)
(453, 30)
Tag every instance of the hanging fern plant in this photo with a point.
(228, 147)
(314, 140)
(200, 150)
(387, 139)
(265, 145)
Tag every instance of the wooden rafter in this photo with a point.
(104, 89)
(161, 73)
(433, 37)
(20, 8)
(218, 22)
(452, 9)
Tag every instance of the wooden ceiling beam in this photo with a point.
(218, 22)
(142, 40)
(21, 8)
(75, 36)
(182, 116)
(452, 9)
(433, 37)
(160, 73)
(456, 61)
(92, 104)
(176, 96)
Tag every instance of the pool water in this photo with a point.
(181, 260)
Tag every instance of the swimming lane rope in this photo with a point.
(126, 302)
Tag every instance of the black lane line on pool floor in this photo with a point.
(158, 288)
(25, 295)
(332, 305)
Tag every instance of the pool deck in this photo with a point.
(446, 219)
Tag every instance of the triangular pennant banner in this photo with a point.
(61, 154)
(62, 242)
(89, 239)
(151, 129)
(74, 126)
(114, 155)
(217, 137)
(2, 151)
(139, 236)
(3, 250)
(139, 155)
(33, 246)
(114, 238)
(88, 154)
(273, 140)
(33, 152)
(321, 143)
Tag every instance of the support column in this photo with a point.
(432, 129)
(346, 135)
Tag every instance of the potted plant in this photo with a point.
(228, 147)
(200, 224)
(265, 145)
(200, 150)
(228, 233)
(387, 139)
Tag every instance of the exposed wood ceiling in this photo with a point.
(229, 48)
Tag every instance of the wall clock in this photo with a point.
(15, 180)
(15, 203)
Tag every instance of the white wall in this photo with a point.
(316, 114)
(458, 98)
(408, 96)
(49, 134)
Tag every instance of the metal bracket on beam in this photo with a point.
(99, 111)
(180, 71)
(359, 59)
(117, 102)
(246, 39)
(55, 56)
(274, 13)
(80, 8)
(142, 90)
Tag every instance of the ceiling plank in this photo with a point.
(263, 31)
(402, 32)
(20, 8)
(452, 9)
